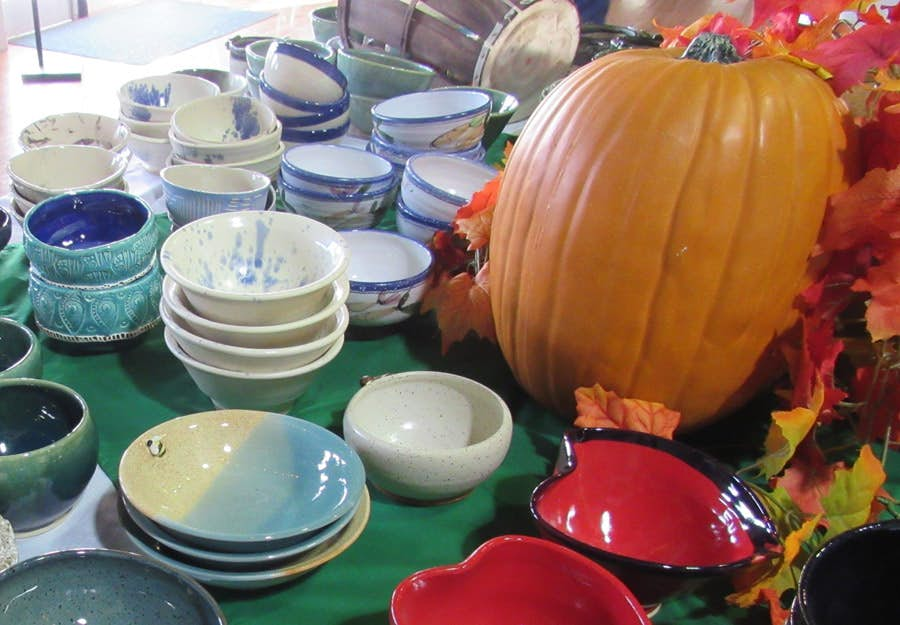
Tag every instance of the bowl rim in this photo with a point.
(144, 561)
(29, 335)
(359, 286)
(417, 180)
(298, 135)
(316, 177)
(118, 163)
(83, 423)
(711, 468)
(237, 82)
(262, 182)
(125, 99)
(325, 108)
(279, 150)
(504, 427)
(510, 100)
(188, 284)
(472, 111)
(423, 220)
(299, 53)
(318, 195)
(387, 61)
(116, 123)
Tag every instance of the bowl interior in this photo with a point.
(335, 162)
(33, 416)
(223, 119)
(15, 343)
(102, 588)
(379, 256)
(214, 179)
(424, 105)
(226, 81)
(453, 175)
(75, 129)
(651, 505)
(242, 476)
(66, 167)
(89, 219)
(167, 91)
(253, 253)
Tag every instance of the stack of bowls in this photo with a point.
(228, 83)
(146, 105)
(192, 191)
(44, 172)
(94, 276)
(450, 121)
(237, 131)
(341, 186)
(256, 57)
(279, 497)
(373, 77)
(307, 93)
(433, 188)
(503, 106)
(253, 305)
(75, 129)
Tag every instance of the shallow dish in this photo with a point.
(20, 351)
(428, 436)
(156, 98)
(41, 173)
(336, 170)
(49, 451)
(196, 191)
(279, 335)
(388, 274)
(437, 185)
(227, 82)
(75, 129)
(250, 580)
(381, 75)
(90, 238)
(510, 580)
(665, 518)
(448, 120)
(103, 587)
(256, 391)
(271, 479)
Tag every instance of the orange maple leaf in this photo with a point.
(598, 407)
(473, 220)
(463, 305)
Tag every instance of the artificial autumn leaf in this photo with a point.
(462, 304)
(850, 58)
(473, 220)
(807, 479)
(848, 503)
(786, 432)
(883, 402)
(868, 213)
(719, 23)
(597, 407)
(449, 254)
(882, 282)
(812, 366)
(879, 139)
(767, 10)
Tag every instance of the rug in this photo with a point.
(142, 33)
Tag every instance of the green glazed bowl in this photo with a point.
(20, 351)
(381, 75)
(48, 451)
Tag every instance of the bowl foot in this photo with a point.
(411, 501)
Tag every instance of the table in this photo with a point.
(133, 388)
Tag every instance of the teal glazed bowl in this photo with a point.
(96, 315)
(48, 452)
(20, 351)
(90, 238)
(103, 587)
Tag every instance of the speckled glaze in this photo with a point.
(252, 580)
(50, 445)
(665, 518)
(428, 436)
(75, 129)
(155, 98)
(226, 120)
(254, 268)
(510, 580)
(102, 587)
(20, 351)
(238, 480)
(45, 172)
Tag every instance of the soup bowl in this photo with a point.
(75, 129)
(20, 351)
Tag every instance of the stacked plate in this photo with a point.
(242, 499)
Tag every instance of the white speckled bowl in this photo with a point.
(44, 172)
(156, 98)
(75, 129)
(428, 436)
(255, 268)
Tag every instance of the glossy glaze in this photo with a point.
(49, 451)
(102, 587)
(20, 351)
(241, 480)
(511, 580)
(381, 75)
(658, 513)
(5, 227)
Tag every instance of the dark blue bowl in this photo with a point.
(103, 587)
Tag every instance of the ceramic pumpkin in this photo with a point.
(654, 226)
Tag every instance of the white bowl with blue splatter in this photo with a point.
(255, 268)
(155, 98)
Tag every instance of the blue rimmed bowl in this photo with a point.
(398, 154)
(271, 481)
(336, 170)
(155, 98)
(48, 451)
(103, 587)
(20, 351)
(104, 314)
(90, 238)
(451, 120)
(296, 71)
(358, 210)
(436, 185)
(288, 105)
(416, 226)
(503, 106)
(300, 135)
(388, 275)
(255, 53)
(196, 191)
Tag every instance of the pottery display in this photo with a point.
(75, 129)
(20, 351)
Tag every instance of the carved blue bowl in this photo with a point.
(90, 238)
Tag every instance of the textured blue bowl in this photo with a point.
(103, 587)
(20, 351)
(90, 238)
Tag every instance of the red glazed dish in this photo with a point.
(510, 580)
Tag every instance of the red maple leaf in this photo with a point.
(883, 402)
(598, 407)
(473, 220)
(808, 477)
(449, 254)
(868, 213)
(768, 10)
(880, 137)
(463, 305)
(882, 282)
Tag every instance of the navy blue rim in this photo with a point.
(338, 106)
(429, 188)
(323, 179)
(302, 54)
(309, 120)
(404, 210)
(355, 197)
(763, 538)
(394, 285)
(388, 119)
(294, 135)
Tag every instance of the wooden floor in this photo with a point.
(21, 104)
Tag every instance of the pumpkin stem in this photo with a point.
(712, 48)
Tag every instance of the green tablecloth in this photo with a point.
(138, 386)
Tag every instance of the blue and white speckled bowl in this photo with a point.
(103, 587)
(155, 98)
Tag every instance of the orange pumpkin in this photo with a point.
(654, 225)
